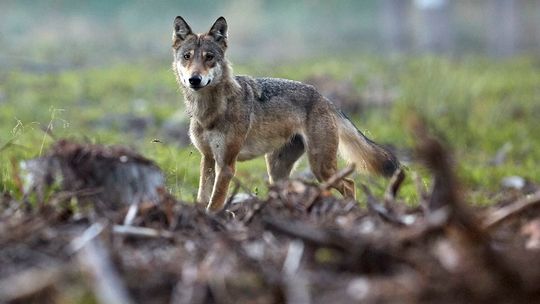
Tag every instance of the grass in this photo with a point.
(478, 104)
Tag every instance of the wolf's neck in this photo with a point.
(210, 103)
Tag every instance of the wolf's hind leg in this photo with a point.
(322, 146)
(281, 161)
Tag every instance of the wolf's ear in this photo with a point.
(181, 31)
(219, 31)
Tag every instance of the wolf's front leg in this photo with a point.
(221, 187)
(225, 169)
(207, 179)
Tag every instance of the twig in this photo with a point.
(379, 209)
(141, 232)
(393, 186)
(107, 284)
(296, 287)
(93, 257)
(307, 233)
(257, 207)
(294, 255)
(131, 214)
(423, 196)
(500, 215)
(48, 130)
(328, 184)
(336, 177)
(87, 236)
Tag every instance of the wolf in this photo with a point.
(237, 118)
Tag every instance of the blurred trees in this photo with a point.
(504, 26)
(93, 32)
(497, 27)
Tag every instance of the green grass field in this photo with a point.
(478, 105)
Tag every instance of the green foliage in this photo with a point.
(478, 105)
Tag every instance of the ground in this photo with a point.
(463, 227)
(482, 107)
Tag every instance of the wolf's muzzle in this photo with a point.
(195, 81)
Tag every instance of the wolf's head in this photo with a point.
(199, 59)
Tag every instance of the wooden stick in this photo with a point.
(328, 184)
(379, 209)
(308, 233)
(423, 196)
(88, 235)
(141, 232)
(131, 214)
(500, 215)
(337, 177)
(107, 284)
(296, 284)
(393, 186)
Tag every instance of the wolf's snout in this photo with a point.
(195, 80)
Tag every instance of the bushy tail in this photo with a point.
(367, 155)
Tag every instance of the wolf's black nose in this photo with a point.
(195, 80)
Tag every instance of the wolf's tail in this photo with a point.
(365, 154)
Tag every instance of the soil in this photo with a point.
(301, 244)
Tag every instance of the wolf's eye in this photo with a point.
(187, 56)
(209, 57)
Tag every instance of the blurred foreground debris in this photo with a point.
(301, 244)
(112, 176)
